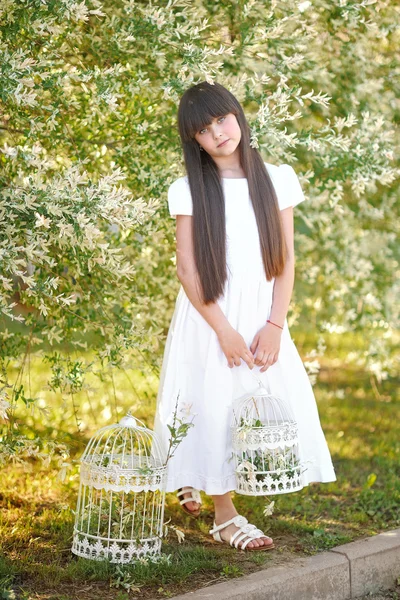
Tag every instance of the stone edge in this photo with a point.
(381, 553)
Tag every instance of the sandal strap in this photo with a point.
(249, 531)
(235, 535)
(253, 535)
(243, 546)
(195, 495)
(250, 537)
(238, 520)
(245, 530)
(185, 500)
(239, 538)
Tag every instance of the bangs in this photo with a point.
(199, 106)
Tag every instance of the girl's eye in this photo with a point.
(206, 127)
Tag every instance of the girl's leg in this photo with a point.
(225, 510)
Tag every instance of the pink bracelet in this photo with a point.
(268, 321)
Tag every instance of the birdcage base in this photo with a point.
(121, 552)
(259, 484)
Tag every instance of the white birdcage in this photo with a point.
(120, 508)
(266, 445)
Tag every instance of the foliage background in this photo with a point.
(89, 145)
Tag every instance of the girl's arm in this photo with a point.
(283, 285)
(266, 343)
(189, 278)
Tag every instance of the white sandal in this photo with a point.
(246, 530)
(195, 497)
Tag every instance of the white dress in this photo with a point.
(195, 366)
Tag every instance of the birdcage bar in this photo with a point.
(134, 515)
(99, 517)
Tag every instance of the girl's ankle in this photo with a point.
(224, 515)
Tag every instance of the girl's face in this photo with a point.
(220, 130)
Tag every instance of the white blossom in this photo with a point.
(269, 509)
(4, 407)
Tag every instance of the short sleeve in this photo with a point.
(287, 187)
(180, 198)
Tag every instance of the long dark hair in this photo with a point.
(197, 107)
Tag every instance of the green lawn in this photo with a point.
(362, 428)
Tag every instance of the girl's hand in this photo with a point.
(266, 343)
(234, 347)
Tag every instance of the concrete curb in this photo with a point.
(345, 572)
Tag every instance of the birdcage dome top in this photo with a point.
(128, 421)
(126, 448)
(261, 408)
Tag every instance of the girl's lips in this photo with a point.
(223, 143)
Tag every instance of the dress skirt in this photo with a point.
(195, 366)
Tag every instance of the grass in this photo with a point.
(36, 520)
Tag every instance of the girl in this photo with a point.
(235, 261)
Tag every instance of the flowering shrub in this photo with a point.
(89, 145)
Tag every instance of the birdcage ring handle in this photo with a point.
(261, 383)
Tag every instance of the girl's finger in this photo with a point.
(267, 362)
(249, 356)
(254, 345)
(248, 360)
(259, 358)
